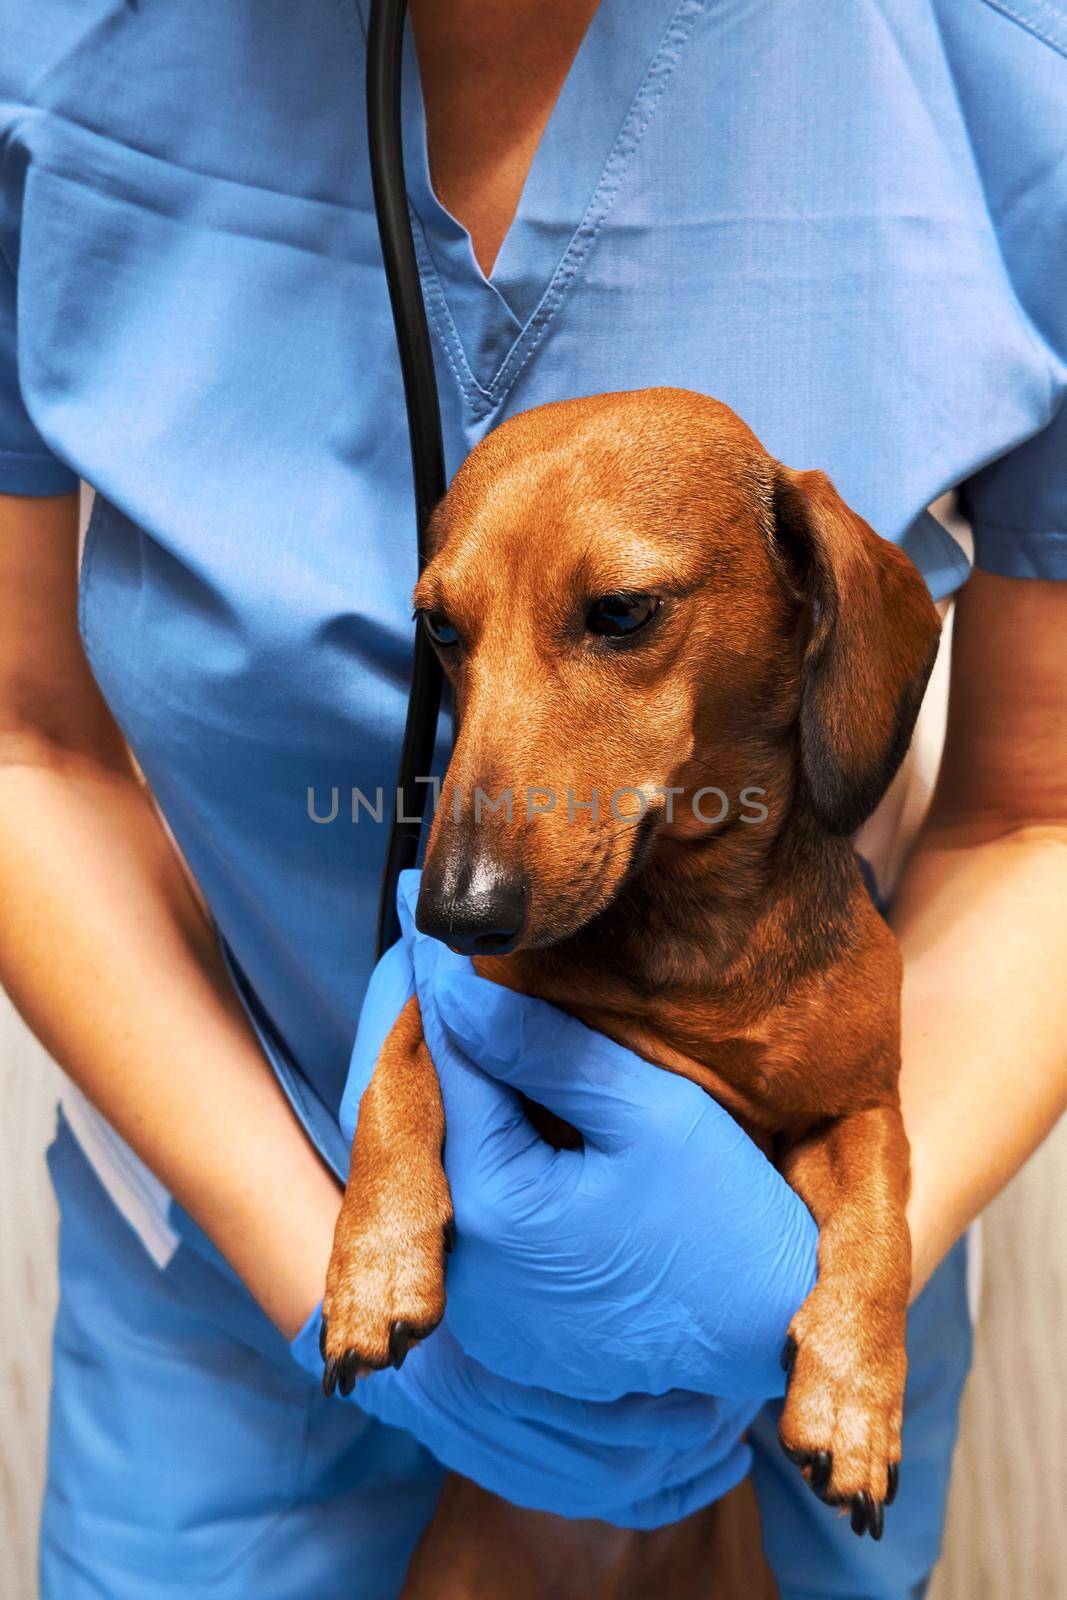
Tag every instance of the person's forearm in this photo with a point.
(982, 922)
(104, 950)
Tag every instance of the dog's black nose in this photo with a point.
(478, 910)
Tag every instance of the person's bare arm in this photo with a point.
(106, 953)
(982, 915)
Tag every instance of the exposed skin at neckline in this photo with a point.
(491, 72)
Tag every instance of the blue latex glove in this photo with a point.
(666, 1254)
(637, 1462)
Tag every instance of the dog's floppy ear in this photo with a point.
(872, 642)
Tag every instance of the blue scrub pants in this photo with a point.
(188, 1455)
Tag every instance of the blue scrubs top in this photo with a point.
(847, 221)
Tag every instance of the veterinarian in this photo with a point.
(847, 222)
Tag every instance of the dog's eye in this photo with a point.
(439, 628)
(617, 616)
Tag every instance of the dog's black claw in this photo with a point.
(450, 1235)
(789, 1354)
(892, 1482)
(322, 1338)
(822, 1466)
(876, 1520)
(348, 1372)
(401, 1337)
(821, 1491)
(329, 1376)
(819, 1465)
(861, 1511)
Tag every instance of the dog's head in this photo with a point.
(641, 613)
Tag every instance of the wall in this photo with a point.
(28, 1088)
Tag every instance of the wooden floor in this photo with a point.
(1004, 1539)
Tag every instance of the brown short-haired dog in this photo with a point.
(630, 595)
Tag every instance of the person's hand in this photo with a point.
(667, 1253)
(638, 1462)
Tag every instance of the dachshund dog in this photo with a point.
(629, 595)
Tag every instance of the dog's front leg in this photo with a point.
(844, 1407)
(385, 1288)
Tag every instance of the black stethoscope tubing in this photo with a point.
(385, 52)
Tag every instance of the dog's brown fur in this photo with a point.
(478, 1547)
(789, 655)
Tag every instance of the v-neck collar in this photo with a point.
(489, 326)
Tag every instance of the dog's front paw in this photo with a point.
(385, 1288)
(843, 1413)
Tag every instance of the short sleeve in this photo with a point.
(27, 466)
(1010, 63)
(1017, 507)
